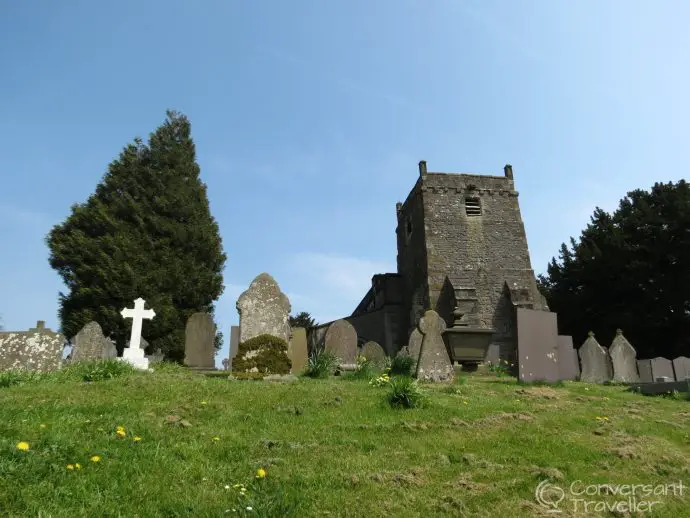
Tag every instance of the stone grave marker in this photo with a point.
(568, 364)
(297, 349)
(200, 337)
(156, 357)
(662, 369)
(434, 363)
(341, 340)
(38, 349)
(537, 345)
(595, 363)
(263, 309)
(234, 344)
(374, 352)
(681, 368)
(134, 353)
(623, 359)
(414, 344)
(644, 367)
(90, 344)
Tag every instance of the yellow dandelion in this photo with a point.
(95, 458)
(70, 467)
(119, 427)
(77, 465)
(121, 433)
(41, 425)
(23, 445)
(260, 473)
(137, 439)
(216, 438)
(204, 403)
(465, 402)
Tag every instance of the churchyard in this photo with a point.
(286, 433)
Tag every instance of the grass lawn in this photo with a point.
(330, 447)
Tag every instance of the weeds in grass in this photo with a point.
(321, 364)
(169, 367)
(263, 497)
(95, 370)
(405, 393)
(402, 365)
(18, 377)
(542, 383)
(366, 370)
(501, 368)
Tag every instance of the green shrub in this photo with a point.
(95, 370)
(265, 353)
(321, 364)
(402, 365)
(405, 393)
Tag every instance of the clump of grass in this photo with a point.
(405, 393)
(501, 368)
(321, 364)
(366, 370)
(19, 377)
(95, 370)
(402, 365)
(542, 383)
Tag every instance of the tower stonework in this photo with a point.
(464, 231)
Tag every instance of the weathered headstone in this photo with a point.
(199, 345)
(644, 367)
(297, 349)
(38, 349)
(623, 360)
(134, 353)
(90, 344)
(434, 363)
(374, 352)
(568, 364)
(414, 344)
(681, 368)
(537, 334)
(263, 309)
(341, 340)
(596, 366)
(234, 344)
(662, 368)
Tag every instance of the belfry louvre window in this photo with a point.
(473, 207)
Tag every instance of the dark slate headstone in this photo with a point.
(341, 340)
(434, 363)
(662, 368)
(594, 361)
(681, 368)
(537, 345)
(568, 364)
(91, 344)
(644, 367)
(200, 336)
(623, 360)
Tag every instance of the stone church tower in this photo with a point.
(463, 234)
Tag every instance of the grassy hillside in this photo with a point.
(188, 444)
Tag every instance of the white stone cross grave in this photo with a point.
(134, 354)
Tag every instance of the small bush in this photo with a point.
(321, 364)
(95, 370)
(264, 353)
(405, 393)
(402, 365)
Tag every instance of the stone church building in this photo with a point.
(459, 236)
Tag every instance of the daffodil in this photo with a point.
(23, 446)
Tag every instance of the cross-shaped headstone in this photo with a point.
(137, 315)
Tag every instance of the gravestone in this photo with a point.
(662, 368)
(90, 344)
(263, 309)
(297, 349)
(234, 344)
(681, 368)
(568, 364)
(623, 360)
(595, 363)
(374, 352)
(38, 349)
(200, 337)
(537, 339)
(644, 367)
(341, 340)
(434, 363)
(414, 344)
(134, 353)
(156, 357)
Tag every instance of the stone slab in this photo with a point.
(374, 352)
(38, 349)
(434, 363)
(90, 344)
(200, 337)
(297, 349)
(537, 333)
(662, 368)
(595, 363)
(341, 340)
(568, 363)
(681, 368)
(623, 360)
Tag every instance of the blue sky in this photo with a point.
(310, 117)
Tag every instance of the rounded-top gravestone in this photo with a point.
(341, 340)
(263, 309)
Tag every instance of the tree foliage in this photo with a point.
(146, 231)
(629, 270)
(302, 319)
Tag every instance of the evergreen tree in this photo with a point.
(147, 231)
(302, 319)
(629, 270)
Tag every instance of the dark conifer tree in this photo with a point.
(147, 231)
